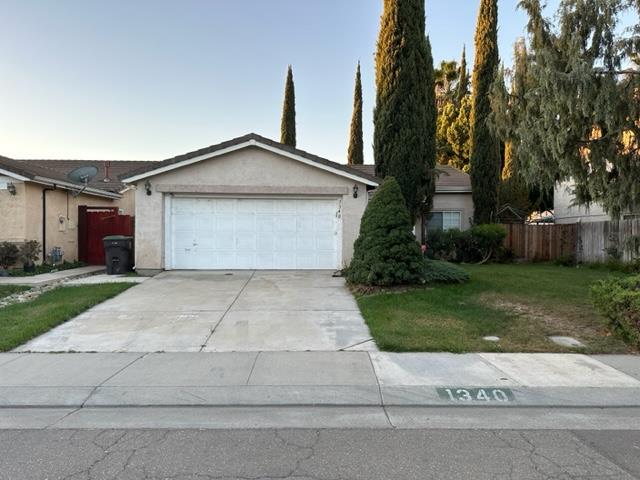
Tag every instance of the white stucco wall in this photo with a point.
(564, 212)
(236, 173)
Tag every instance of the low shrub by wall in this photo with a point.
(618, 299)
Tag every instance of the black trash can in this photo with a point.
(117, 252)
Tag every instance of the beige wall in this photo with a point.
(249, 167)
(459, 202)
(13, 213)
(21, 215)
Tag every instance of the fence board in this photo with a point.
(587, 241)
(541, 242)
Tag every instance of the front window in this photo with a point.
(440, 221)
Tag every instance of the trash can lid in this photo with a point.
(117, 237)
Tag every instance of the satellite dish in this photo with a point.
(82, 175)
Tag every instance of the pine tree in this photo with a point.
(386, 251)
(288, 123)
(355, 154)
(462, 89)
(403, 89)
(486, 160)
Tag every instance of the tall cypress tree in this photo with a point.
(431, 149)
(485, 148)
(355, 154)
(288, 122)
(463, 78)
(401, 116)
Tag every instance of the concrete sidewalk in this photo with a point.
(53, 277)
(330, 379)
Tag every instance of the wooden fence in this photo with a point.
(588, 242)
(541, 242)
(596, 238)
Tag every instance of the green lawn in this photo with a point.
(20, 323)
(6, 290)
(521, 304)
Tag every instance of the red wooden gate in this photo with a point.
(95, 223)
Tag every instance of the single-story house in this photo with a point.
(248, 203)
(452, 202)
(39, 202)
(252, 203)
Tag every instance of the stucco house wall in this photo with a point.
(13, 215)
(250, 171)
(21, 217)
(564, 212)
(449, 202)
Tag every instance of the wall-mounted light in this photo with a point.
(355, 191)
(11, 188)
(147, 187)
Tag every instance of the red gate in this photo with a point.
(95, 223)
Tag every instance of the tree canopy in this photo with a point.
(486, 160)
(573, 113)
(404, 126)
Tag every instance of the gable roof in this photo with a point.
(250, 140)
(54, 172)
(449, 179)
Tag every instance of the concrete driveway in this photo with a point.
(190, 311)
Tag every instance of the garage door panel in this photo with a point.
(209, 233)
(225, 223)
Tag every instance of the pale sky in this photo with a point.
(150, 79)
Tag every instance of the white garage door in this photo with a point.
(240, 233)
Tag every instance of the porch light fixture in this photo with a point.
(147, 187)
(11, 188)
(355, 191)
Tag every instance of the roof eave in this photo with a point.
(251, 142)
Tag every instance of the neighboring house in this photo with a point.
(248, 203)
(31, 190)
(565, 212)
(452, 202)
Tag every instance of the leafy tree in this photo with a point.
(288, 123)
(485, 161)
(386, 251)
(445, 79)
(403, 89)
(453, 126)
(355, 154)
(578, 117)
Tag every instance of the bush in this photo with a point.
(386, 251)
(8, 254)
(30, 252)
(437, 271)
(618, 299)
(479, 244)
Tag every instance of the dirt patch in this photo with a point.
(552, 323)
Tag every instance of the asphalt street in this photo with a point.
(312, 454)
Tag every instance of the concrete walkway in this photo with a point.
(54, 277)
(240, 311)
(335, 379)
